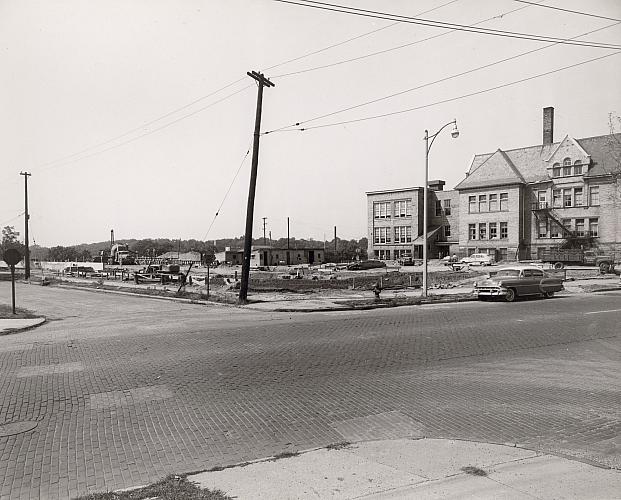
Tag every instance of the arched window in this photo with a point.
(578, 167)
(556, 170)
(566, 167)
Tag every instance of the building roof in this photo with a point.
(196, 256)
(399, 190)
(530, 164)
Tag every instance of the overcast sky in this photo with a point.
(83, 82)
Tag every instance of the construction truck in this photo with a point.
(160, 273)
(575, 256)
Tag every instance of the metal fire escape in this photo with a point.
(571, 239)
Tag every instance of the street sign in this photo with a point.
(12, 256)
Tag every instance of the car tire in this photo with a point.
(559, 265)
(548, 295)
(511, 295)
(604, 267)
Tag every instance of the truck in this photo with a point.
(560, 258)
(160, 273)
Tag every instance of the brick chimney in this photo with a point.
(548, 125)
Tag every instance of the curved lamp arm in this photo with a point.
(455, 133)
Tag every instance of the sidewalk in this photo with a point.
(419, 468)
(13, 325)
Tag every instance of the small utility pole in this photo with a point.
(243, 288)
(335, 242)
(27, 216)
(288, 247)
(264, 224)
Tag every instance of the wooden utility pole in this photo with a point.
(288, 247)
(26, 217)
(243, 289)
(335, 257)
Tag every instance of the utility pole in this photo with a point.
(27, 217)
(335, 243)
(264, 224)
(288, 247)
(243, 289)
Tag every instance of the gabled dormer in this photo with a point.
(496, 170)
(568, 159)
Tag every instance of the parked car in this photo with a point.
(79, 270)
(478, 259)
(365, 264)
(516, 281)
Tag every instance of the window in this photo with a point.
(580, 227)
(381, 235)
(567, 224)
(567, 162)
(542, 197)
(472, 204)
(578, 197)
(567, 197)
(556, 170)
(482, 203)
(504, 202)
(504, 230)
(403, 208)
(557, 198)
(447, 231)
(403, 234)
(382, 210)
(493, 230)
(594, 195)
(593, 227)
(493, 202)
(577, 167)
(503, 253)
(543, 229)
(555, 230)
(447, 207)
(438, 208)
(482, 231)
(472, 231)
(566, 167)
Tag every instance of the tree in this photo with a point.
(10, 239)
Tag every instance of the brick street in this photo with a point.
(119, 390)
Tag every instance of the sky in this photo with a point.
(138, 115)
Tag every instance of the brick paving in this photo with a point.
(125, 390)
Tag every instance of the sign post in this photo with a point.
(12, 256)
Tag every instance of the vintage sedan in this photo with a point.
(478, 259)
(516, 281)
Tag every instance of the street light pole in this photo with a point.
(454, 135)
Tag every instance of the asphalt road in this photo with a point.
(119, 390)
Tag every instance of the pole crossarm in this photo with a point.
(433, 137)
(260, 77)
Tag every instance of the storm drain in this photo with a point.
(127, 397)
(13, 428)
(56, 369)
(388, 425)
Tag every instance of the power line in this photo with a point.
(12, 219)
(443, 25)
(149, 132)
(568, 10)
(456, 75)
(380, 52)
(338, 44)
(463, 96)
(228, 190)
(135, 129)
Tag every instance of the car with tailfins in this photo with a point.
(511, 282)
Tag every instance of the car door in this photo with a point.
(529, 285)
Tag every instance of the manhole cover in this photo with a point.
(17, 427)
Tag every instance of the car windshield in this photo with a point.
(508, 272)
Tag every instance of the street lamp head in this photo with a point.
(455, 132)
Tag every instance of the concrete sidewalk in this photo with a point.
(12, 325)
(420, 468)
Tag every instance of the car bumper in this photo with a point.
(490, 292)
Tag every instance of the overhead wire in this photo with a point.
(443, 25)
(589, 14)
(152, 131)
(451, 99)
(398, 47)
(428, 84)
(228, 191)
(12, 219)
(357, 37)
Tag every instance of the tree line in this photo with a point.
(346, 250)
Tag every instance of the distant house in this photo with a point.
(272, 256)
(180, 258)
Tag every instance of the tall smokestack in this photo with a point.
(548, 125)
